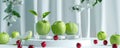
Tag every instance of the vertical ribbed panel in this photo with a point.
(109, 17)
(59, 10)
(118, 15)
(35, 18)
(29, 18)
(78, 18)
(0, 15)
(3, 14)
(45, 7)
(22, 19)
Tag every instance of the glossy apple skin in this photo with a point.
(58, 28)
(115, 39)
(43, 27)
(4, 38)
(101, 35)
(15, 34)
(71, 28)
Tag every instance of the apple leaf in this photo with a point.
(8, 24)
(100, 0)
(45, 14)
(82, 1)
(15, 13)
(5, 17)
(95, 3)
(9, 8)
(33, 12)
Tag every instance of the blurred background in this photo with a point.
(104, 16)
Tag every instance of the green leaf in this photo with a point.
(82, 1)
(9, 8)
(33, 12)
(95, 3)
(73, 8)
(15, 13)
(45, 14)
(8, 24)
(100, 1)
(5, 17)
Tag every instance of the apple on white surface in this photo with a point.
(71, 28)
(43, 27)
(4, 38)
(59, 28)
(101, 35)
(27, 35)
(115, 39)
(15, 34)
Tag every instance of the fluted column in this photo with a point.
(35, 18)
(78, 18)
(109, 17)
(118, 14)
(59, 9)
(3, 23)
(22, 19)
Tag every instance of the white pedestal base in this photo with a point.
(57, 43)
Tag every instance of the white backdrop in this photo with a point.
(61, 10)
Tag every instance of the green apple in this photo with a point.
(71, 28)
(28, 35)
(115, 39)
(15, 34)
(43, 27)
(58, 28)
(101, 35)
(4, 38)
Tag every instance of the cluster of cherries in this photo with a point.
(105, 42)
(19, 45)
(43, 44)
(78, 45)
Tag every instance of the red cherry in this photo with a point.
(18, 42)
(105, 42)
(19, 46)
(95, 41)
(114, 46)
(78, 45)
(43, 44)
(31, 46)
(55, 37)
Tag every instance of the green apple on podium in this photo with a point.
(4, 38)
(59, 28)
(115, 39)
(15, 34)
(71, 28)
(43, 27)
(101, 35)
